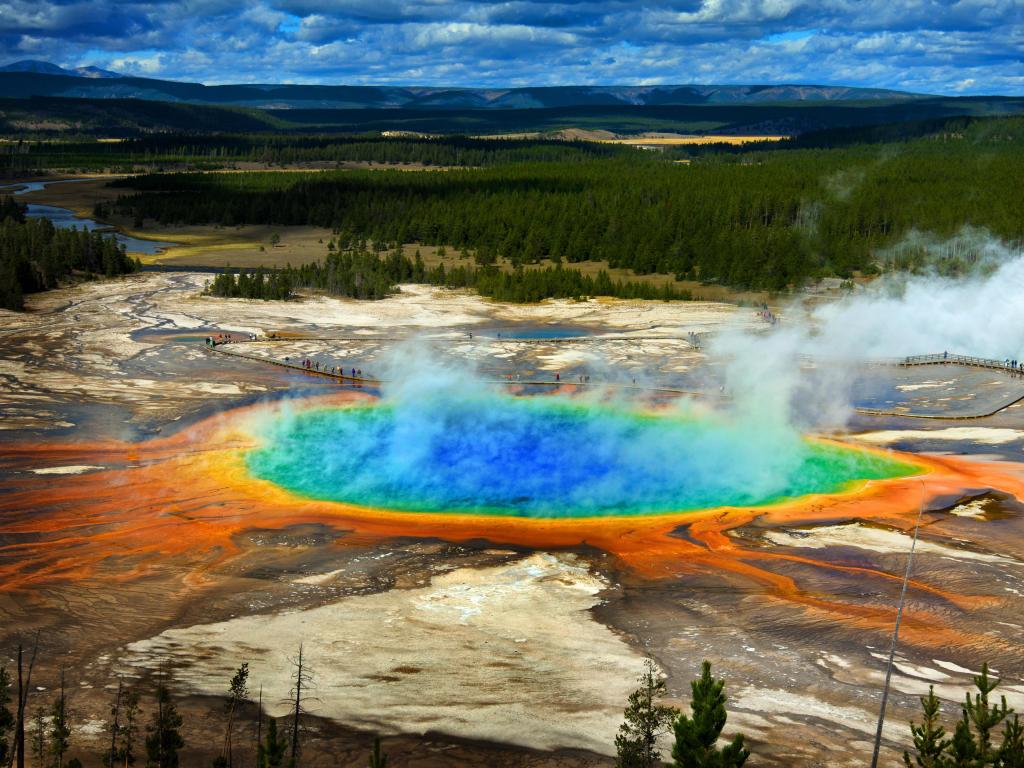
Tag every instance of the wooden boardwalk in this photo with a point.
(338, 375)
(375, 382)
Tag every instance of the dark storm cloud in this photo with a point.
(962, 46)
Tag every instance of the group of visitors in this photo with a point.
(1014, 366)
(227, 338)
(220, 338)
(335, 370)
(767, 315)
(558, 377)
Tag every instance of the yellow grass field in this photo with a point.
(648, 139)
(213, 246)
(674, 141)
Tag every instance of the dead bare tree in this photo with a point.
(24, 682)
(115, 725)
(259, 725)
(302, 680)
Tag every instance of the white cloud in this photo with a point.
(956, 46)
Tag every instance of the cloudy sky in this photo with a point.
(936, 46)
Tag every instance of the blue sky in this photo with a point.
(964, 47)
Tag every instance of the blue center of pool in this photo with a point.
(546, 458)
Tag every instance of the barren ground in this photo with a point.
(502, 656)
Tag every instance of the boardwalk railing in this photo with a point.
(513, 380)
(945, 357)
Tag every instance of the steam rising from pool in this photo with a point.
(484, 452)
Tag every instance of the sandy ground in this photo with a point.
(986, 435)
(506, 654)
(75, 346)
(877, 539)
(85, 344)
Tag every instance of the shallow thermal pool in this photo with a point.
(546, 457)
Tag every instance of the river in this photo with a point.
(64, 218)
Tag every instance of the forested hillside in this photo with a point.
(47, 115)
(767, 219)
(213, 152)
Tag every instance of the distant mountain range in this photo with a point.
(25, 79)
(46, 68)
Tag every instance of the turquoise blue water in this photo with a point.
(545, 458)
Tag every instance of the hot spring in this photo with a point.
(546, 457)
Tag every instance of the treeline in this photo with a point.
(354, 272)
(253, 284)
(987, 733)
(209, 152)
(36, 256)
(765, 220)
(523, 285)
(696, 736)
(157, 740)
(976, 740)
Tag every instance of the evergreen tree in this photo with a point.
(39, 736)
(1011, 753)
(983, 717)
(963, 750)
(238, 692)
(60, 730)
(636, 744)
(110, 757)
(7, 719)
(36, 256)
(164, 739)
(272, 750)
(972, 744)
(377, 758)
(696, 744)
(930, 742)
(130, 730)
